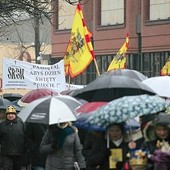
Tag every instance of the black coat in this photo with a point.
(35, 132)
(93, 150)
(125, 149)
(12, 137)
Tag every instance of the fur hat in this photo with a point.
(159, 120)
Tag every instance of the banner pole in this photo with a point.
(97, 69)
(69, 81)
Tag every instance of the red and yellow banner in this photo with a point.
(119, 61)
(79, 52)
(165, 71)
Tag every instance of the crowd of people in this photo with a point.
(60, 146)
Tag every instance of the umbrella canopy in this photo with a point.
(108, 87)
(162, 118)
(50, 110)
(12, 96)
(160, 84)
(88, 107)
(126, 108)
(129, 73)
(35, 94)
(4, 103)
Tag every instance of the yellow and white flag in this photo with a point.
(119, 61)
(79, 52)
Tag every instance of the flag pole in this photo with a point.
(95, 62)
(69, 81)
(97, 68)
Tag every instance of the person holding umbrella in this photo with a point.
(62, 145)
(117, 147)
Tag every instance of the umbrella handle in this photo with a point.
(108, 139)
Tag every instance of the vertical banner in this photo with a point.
(25, 75)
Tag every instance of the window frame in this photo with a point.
(114, 26)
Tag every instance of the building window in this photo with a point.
(159, 9)
(112, 12)
(65, 15)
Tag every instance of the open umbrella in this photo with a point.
(4, 103)
(50, 110)
(160, 84)
(129, 73)
(125, 108)
(87, 108)
(12, 96)
(36, 94)
(108, 87)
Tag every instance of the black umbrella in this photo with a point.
(4, 103)
(108, 87)
(129, 73)
(12, 96)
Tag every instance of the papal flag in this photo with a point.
(79, 52)
(165, 71)
(119, 61)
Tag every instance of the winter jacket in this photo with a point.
(125, 150)
(60, 158)
(12, 137)
(93, 150)
(150, 145)
(35, 132)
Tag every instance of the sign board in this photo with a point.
(25, 75)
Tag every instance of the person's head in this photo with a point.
(116, 131)
(10, 112)
(162, 131)
(63, 125)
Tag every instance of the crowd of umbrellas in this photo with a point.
(115, 96)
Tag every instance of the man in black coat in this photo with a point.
(12, 139)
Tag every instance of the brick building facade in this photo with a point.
(146, 21)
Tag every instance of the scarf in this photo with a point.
(60, 135)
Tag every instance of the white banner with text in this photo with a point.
(25, 75)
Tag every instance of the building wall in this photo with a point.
(155, 35)
(146, 38)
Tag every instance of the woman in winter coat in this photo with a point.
(116, 148)
(62, 145)
(157, 134)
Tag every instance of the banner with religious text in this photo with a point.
(20, 74)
